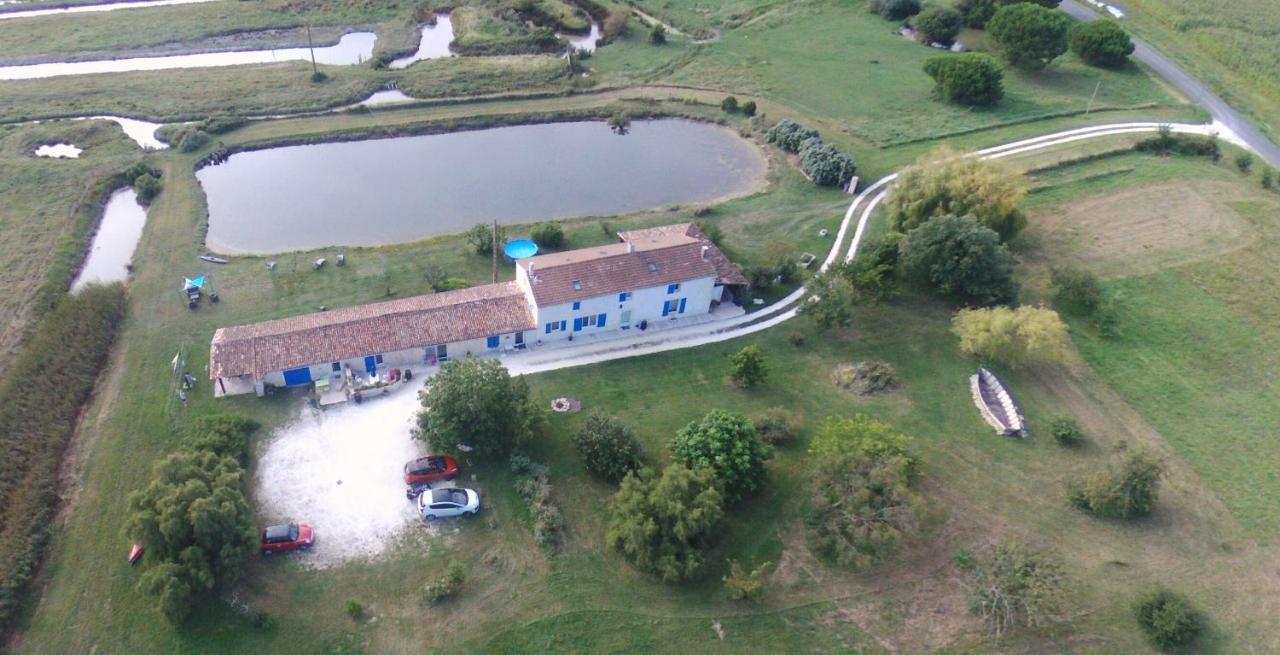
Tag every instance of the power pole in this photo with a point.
(312, 48)
(1095, 95)
(495, 251)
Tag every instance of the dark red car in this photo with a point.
(430, 469)
(287, 537)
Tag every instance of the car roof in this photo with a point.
(443, 495)
(282, 531)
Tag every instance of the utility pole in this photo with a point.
(1095, 95)
(312, 48)
(495, 251)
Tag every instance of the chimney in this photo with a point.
(532, 276)
(704, 252)
(631, 247)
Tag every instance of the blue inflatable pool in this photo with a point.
(520, 248)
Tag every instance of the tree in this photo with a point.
(749, 108)
(658, 35)
(1030, 36)
(893, 9)
(862, 435)
(960, 259)
(481, 238)
(147, 186)
(476, 402)
(943, 183)
(971, 78)
(725, 443)
(620, 122)
(1168, 619)
(749, 368)
(662, 524)
(548, 235)
(1100, 43)
(977, 12)
(1012, 585)
(938, 24)
(743, 584)
(831, 300)
(1122, 492)
(1014, 337)
(195, 524)
(789, 135)
(825, 164)
(608, 446)
(1244, 162)
(1076, 290)
(729, 105)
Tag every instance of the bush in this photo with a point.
(620, 123)
(938, 23)
(1076, 290)
(533, 483)
(1168, 143)
(222, 124)
(663, 524)
(865, 378)
(548, 235)
(1244, 162)
(729, 105)
(658, 35)
(749, 108)
(727, 444)
(862, 435)
(960, 259)
(1014, 337)
(1030, 36)
(893, 9)
(221, 434)
(615, 25)
(147, 186)
(608, 447)
(1012, 585)
(972, 78)
(776, 426)
(481, 238)
(825, 164)
(446, 586)
(1067, 432)
(1100, 43)
(749, 368)
(745, 585)
(476, 402)
(319, 77)
(789, 135)
(831, 300)
(1267, 178)
(354, 609)
(1127, 491)
(943, 183)
(193, 140)
(1168, 619)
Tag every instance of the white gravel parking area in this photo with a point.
(341, 470)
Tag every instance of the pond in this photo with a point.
(114, 243)
(382, 191)
(434, 44)
(584, 41)
(59, 151)
(352, 48)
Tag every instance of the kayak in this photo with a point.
(135, 553)
(213, 260)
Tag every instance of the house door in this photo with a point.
(519, 339)
(297, 377)
(625, 321)
(371, 365)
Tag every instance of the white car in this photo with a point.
(447, 501)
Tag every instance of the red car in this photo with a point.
(430, 469)
(287, 537)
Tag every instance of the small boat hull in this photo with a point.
(213, 260)
(135, 553)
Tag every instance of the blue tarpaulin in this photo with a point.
(189, 282)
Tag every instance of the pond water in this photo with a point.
(385, 97)
(584, 41)
(115, 241)
(59, 151)
(352, 48)
(434, 44)
(81, 9)
(365, 193)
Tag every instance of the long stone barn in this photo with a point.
(650, 276)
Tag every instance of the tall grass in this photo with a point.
(40, 400)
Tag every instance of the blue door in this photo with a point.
(296, 377)
(371, 365)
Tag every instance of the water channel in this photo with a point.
(434, 44)
(114, 243)
(82, 9)
(382, 191)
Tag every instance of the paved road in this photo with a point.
(1192, 88)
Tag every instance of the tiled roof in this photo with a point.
(578, 274)
(726, 271)
(417, 322)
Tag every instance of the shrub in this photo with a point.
(451, 284)
(825, 164)
(476, 402)
(147, 186)
(481, 238)
(727, 444)
(1100, 43)
(222, 124)
(615, 25)
(831, 300)
(942, 183)
(938, 23)
(608, 447)
(319, 77)
(861, 434)
(663, 524)
(354, 609)
(548, 235)
(1244, 162)
(796, 339)
(745, 585)
(730, 105)
(776, 426)
(658, 35)
(749, 108)
(221, 434)
(893, 9)
(1267, 178)
(1014, 337)
(1076, 290)
(1012, 585)
(446, 586)
(789, 135)
(1030, 36)
(960, 259)
(193, 140)
(1168, 619)
(533, 483)
(972, 78)
(1066, 431)
(1127, 491)
(865, 378)
(749, 368)
(1168, 143)
(620, 123)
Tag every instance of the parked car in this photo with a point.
(286, 537)
(445, 502)
(432, 468)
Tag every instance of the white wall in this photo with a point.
(645, 305)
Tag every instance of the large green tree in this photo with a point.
(977, 12)
(944, 183)
(196, 526)
(664, 523)
(938, 23)
(830, 301)
(608, 446)
(972, 78)
(1030, 36)
(726, 443)
(476, 402)
(1015, 337)
(960, 259)
(1100, 43)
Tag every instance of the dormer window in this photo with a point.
(577, 285)
(653, 267)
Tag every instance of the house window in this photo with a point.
(377, 358)
(576, 305)
(670, 307)
(624, 296)
(672, 288)
(337, 367)
(589, 321)
(653, 267)
(492, 342)
(577, 285)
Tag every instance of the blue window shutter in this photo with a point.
(577, 325)
(622, 297)
(562, 324)
(492, 342)
(682, 305)
(666, 308)
(600, 322)
(577, 305)
(548, 328)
